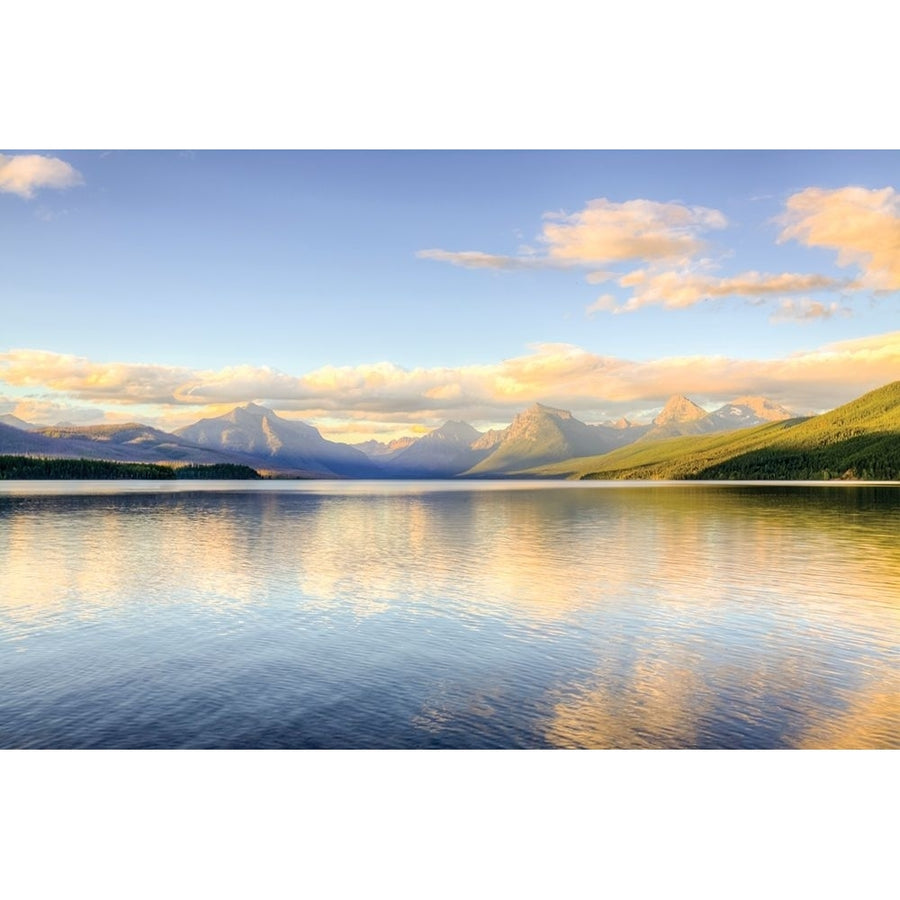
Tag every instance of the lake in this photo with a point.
(435, 614)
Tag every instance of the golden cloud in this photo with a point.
(26, 173)
(605, 232)
(862, 225)
(121, 383)
(558, 374)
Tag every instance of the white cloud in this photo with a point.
(26, 173)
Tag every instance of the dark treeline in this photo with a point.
(869, 457)
(224, 471)
(30, 467)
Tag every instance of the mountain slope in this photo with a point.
(681, 416)
(117, 443)
(374, 449)
(446, 451)
(679, 410)
(858, 440)
(543, 434)
(16, 441)
(16, 422)
(256, 432)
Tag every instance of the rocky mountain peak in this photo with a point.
(764, 408)
(455, 432)
(679, 409)
(541, 409)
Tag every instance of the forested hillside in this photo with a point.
(858, 440)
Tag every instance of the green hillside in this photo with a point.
(858, 440)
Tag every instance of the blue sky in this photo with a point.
(375, 292)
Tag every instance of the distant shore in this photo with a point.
(45, 469)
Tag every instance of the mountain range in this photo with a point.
(540, 441)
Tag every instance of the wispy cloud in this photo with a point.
(806, 310)
(862, 225)
(26, 173)
(475, 259)
(678, 289)
(560, 374)
(604, 303)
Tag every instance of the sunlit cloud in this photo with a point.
(26, 173)
(120, 383)
(668, 238)
(862, 225)
(558, 374)
(603, 232)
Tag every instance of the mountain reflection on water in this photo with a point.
(350, 614)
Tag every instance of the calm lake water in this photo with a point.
(438, 614)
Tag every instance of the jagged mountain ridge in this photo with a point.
(445, 451)
(681, 416)
(374, 449)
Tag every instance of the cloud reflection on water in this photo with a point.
(685, 616)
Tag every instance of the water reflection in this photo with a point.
(585, 616)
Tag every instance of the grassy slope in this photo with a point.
(860, 439)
